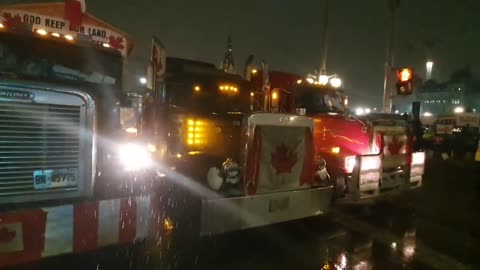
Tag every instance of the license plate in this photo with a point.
(45, 179)
(280, 204)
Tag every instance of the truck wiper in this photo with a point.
(358, 119)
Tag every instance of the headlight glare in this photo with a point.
(134, 157)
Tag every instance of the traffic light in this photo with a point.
(405, 81)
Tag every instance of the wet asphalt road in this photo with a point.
(437, 227)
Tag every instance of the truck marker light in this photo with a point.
(196, 88)
(106, 45)
(336, 82)
(68, 37)
(252, 94)
(299, 81)
(254, 71)
(274, 95)
(56, 34)
(42, 32)
(1, 25)
(131, 130)
(336, 150)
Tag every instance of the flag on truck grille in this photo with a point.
(280, 158)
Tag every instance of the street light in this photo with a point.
(143, 80)
(429, 65)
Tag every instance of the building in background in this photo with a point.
(460, 93)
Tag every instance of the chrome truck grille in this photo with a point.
(42, 148)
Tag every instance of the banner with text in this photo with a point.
(98, 35)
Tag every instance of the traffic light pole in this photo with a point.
(323, 64)
(387, 85)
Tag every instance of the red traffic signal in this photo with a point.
(405, 74)
(404, 81)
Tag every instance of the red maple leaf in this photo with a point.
(11, 21)
(6, 235)
(283, 159)
(394, 146)
(116, 42)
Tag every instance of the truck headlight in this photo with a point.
(369, 172)
(418, 158)
(350, 163)
(134, 157)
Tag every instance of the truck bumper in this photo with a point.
(232, 214)
(393, 184)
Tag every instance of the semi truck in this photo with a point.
(242, 167)
(343, 139)
(68, 168)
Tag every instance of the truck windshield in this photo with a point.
(49, 60)
(208, 97)
(316, 100)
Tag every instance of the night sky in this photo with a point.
(286, 34)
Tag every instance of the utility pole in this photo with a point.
(387, 89)
(323, 65)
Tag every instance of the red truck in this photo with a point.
(344, 139)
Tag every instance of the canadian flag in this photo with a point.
(279, 159)
(74, 11)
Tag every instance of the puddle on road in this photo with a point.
(313, 244)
